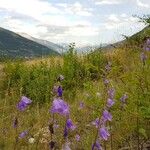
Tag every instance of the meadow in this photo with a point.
(99, 100)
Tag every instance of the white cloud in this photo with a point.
(76, 9)
(114, 18)
(17, 25)
(79, 31)
(141, 4)
(117, 21)
(107, 2)
(32, 8)
(65, 22)
(123, 15)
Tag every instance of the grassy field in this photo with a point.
(87, 80)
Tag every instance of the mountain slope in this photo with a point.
(14, 45)
(135, 40)
(139, 38)
(48, 44)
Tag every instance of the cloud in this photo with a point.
(45, 12)
(33, 8)
(72, 31)
(141, 4)
(77, 21)
(76, 9)
(107, 2)
(79, 31)
(115, 21)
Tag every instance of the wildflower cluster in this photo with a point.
(21, 106)
(101, 122)
(59, 106)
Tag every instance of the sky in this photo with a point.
(80, 21)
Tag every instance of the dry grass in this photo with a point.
(1, 70)
(49, 60)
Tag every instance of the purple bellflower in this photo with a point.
(106, 81)
(96, 146)
(81, 106)
(103, 133)
(147, 48)
(70, 125)
(23, 134)
(147, 45)
(65, 132)
(77, 137)
(96, 122)
(110, 102)
(111, 93)
(123, 98)
(107, 115)
(108, 67)
(24, 102)
(60, 91)
(60, 107)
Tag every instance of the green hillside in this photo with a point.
(135, 40)
(16, 46)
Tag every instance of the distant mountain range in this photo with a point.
(22, 45)
(61, 47)
(82, 48)
(13, 45)
(57, 47)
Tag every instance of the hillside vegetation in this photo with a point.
(13, 45)
(112, 88)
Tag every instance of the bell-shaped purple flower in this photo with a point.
(81, 106)
(24, 102)
(23, 134)
(60, 107)
(123, 98)
(103, 133)
(60, 91)
(147, 49)
(77, 137)
(111, 93)
(107, 116)
(65, 132)
(110, 102)
(106, 81)
(147, 45)
(96, 122)
(96, 146)
(70, 125)
(108, 66)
